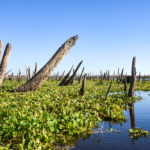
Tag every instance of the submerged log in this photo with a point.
(133, 78)
(69, 81)
(4, 62)
(41, 76)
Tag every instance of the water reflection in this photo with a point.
(132, 116)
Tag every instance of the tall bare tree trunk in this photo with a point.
(41, 76)
(4, 62)
(1, 45)
(133, 78)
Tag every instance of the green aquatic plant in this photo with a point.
(55, 115)
(138, 132)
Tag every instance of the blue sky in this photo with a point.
(110, 33)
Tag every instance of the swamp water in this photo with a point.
(109, 136)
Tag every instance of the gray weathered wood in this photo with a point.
(35, 70)
(133, 78)
(41, 76)
(4, 62)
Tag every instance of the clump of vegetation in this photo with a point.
(56, 115)
(138, 132)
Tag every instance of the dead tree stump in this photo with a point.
(81, 75)
(108, 90)
(69, 81)
(66, 77)
(41, 76)
(82, 90)
(4, 62)
(133, 78)
(35, 70)
(125, 84)
(62, 75)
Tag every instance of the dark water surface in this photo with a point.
(115, 136)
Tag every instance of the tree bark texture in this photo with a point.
(41, 76)
(133, 78)
(4, 62)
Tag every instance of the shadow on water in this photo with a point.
(114, 136)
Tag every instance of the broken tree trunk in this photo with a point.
(81, 75)
(4, 62)
(35, 70)
(108, 90)
(62, 75)
(133, 78)
(82, 90)
(69, 81)
(125, 84)
(66, 77)
(1, 45)
(41, 76)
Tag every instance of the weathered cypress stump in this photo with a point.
(66, 77)
(28, 73)
(4, 62)
(41, 76)
(133, 78)
(82, 90)
(62, 75)
(125, 84)
(108, 90)
(69, 81)
(121, 77)
(35, 70)
(81, 75)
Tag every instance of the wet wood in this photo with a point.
(132, 116)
